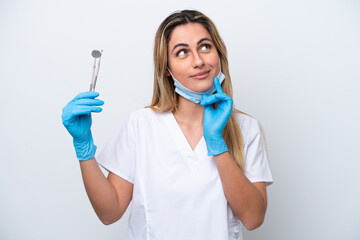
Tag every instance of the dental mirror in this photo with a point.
(96, 53)
(97, 57)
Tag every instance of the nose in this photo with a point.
(198, 61)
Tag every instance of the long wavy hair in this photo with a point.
(165, 99)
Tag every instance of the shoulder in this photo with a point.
(247, 122)
(249, 126)
(145, 115)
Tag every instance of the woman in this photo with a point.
(192, 165)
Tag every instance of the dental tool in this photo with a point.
(97, 57)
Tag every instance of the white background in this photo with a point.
(295, 67)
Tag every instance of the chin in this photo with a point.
(203, 86)
(208, 86)
(203, 89)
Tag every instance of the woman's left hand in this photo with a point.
(215, 119)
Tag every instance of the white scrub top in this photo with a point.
(177, 192)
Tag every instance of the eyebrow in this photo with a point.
(187, 45)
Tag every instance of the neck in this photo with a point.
(189, 113)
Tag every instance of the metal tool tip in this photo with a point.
(96, 53)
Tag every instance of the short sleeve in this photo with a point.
(256, 167)
(119, 154)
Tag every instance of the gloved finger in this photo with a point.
(203, 97)
(209, 107)
(208, 100)
(222, 97)
(218, 85)
(88, 101)
(215, 98)
(86, 95)
(83, 110)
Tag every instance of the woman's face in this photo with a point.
(192, 57)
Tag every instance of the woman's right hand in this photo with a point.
(76, 117)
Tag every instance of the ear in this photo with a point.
(167, 72)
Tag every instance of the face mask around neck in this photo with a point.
(192, 95)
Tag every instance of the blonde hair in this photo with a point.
(164, 97)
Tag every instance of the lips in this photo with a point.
(201, 75)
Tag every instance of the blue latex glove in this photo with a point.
(215, 119)
(76, 117)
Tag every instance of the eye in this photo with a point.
(181, 53)
(205, 47)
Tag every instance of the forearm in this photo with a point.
(244, 198)
(101, 193)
